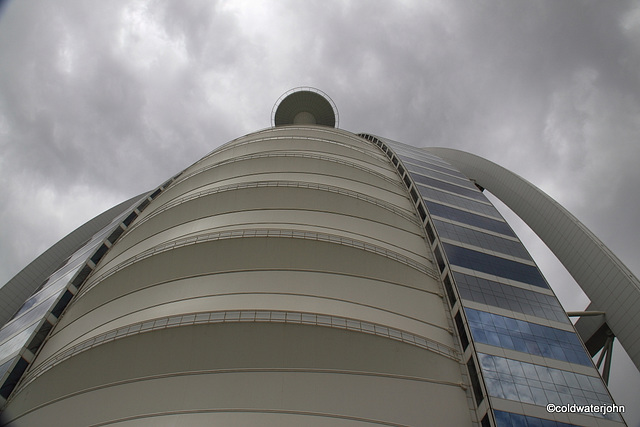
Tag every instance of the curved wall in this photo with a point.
(284, 276)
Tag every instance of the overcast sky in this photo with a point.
(102, 100)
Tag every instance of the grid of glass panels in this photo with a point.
(420, 164)
(12, 345)
(12, 334)
(497, 266)
(429, 159)
(456, 200)
(509, 297)
(540, 385)
(423, 156)
(480, 239)
(527, 337)
(469, 218)
(439, 173)
(504, 378)
(468, 192)
(509, 419)
(36, 302)
(19, 332)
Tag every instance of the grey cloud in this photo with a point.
(102, 100)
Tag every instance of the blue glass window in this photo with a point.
(469, 218)
(422, 157)
(27, 319)
(463, 202)
(469, 192)
(497, 266)
(442, 172)
(509, 419)
(540, 385)
(480, 239)
(509, 297)
(440, 176)
(514, 334)
(16, 342)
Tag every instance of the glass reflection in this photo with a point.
(495, 265)
(16, 343)
(539, 385)
(514, 334)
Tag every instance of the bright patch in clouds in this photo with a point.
(102, 100)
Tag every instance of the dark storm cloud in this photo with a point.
(100, 101)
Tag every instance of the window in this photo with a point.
(497, 266)
(423, 214)
(475, 381)
(440, 260)
(449, 289)
(469, 218)
(480, 239)
(527, 337)
(509, 297)
(430, 234)
(539, 385)
(464, 339)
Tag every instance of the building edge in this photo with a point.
(596, 269)
(24, 283)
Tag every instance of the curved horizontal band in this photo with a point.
(233, 316)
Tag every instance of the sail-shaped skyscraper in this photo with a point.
(308, 275)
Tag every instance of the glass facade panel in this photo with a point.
(527, 337)
(469, 218)
(456, 200)
(474, 194)
(60, 273)
(440, 173)
(451, 197)
(509, 419)
(431, 163)
(20, 330)
(523, 382)
(26, 319)
(51, 288)
(497, 266)
(509, 297)
(424, 159)
(14, 344)
(480, 239)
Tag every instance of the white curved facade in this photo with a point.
(305, 275)
(283, 278)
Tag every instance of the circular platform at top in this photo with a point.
(304, 106)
